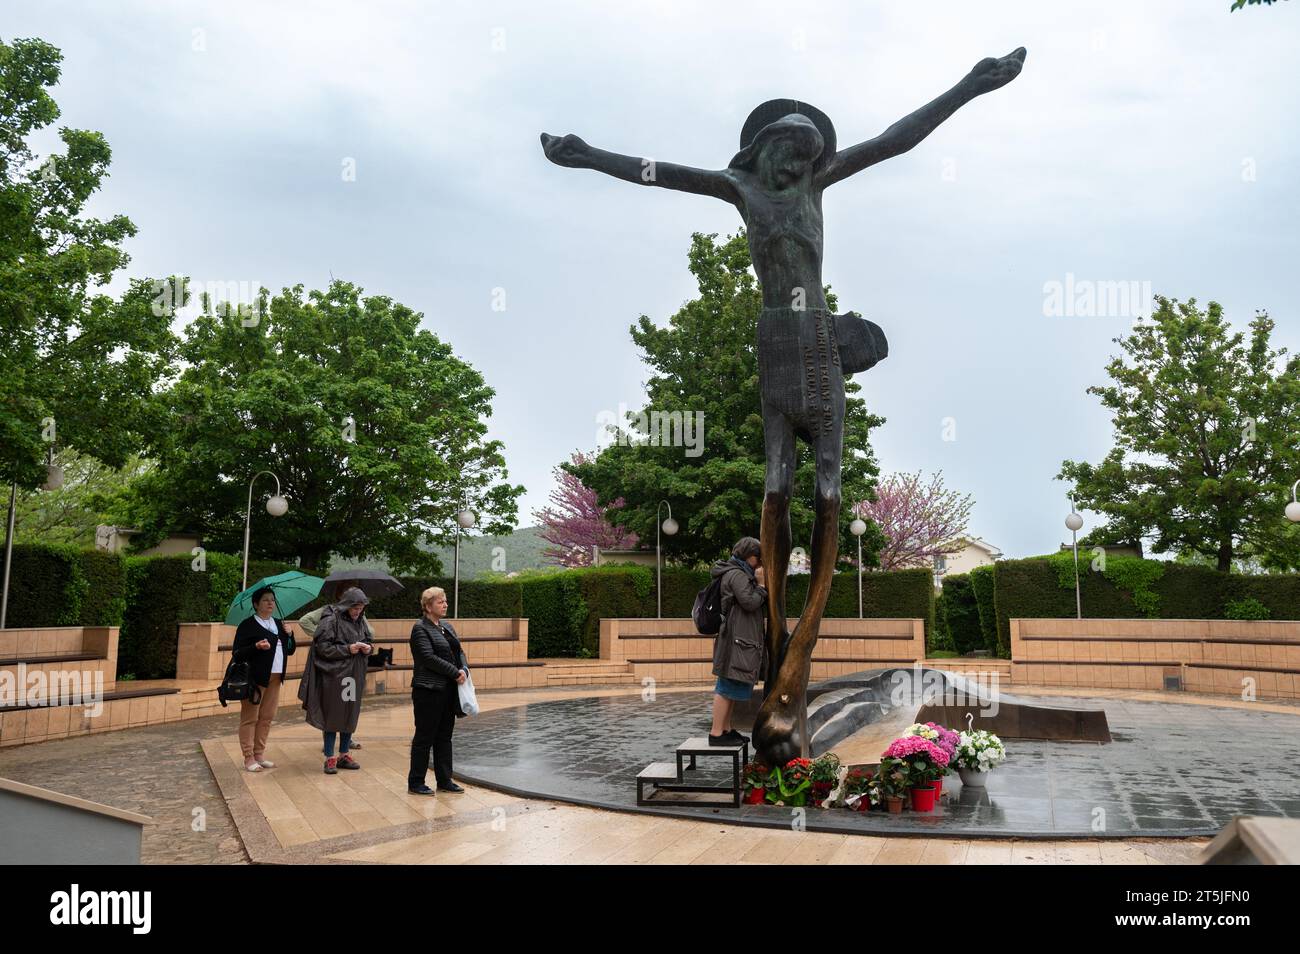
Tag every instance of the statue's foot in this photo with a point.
(776, 731)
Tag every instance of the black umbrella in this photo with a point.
(374, 583)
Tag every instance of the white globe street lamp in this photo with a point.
(858, 527)
(276, 506)
(1293, 508)
(669, 527)
(1074, 523)
(464, 520)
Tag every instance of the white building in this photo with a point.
(974, 552)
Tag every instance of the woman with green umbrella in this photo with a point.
(264, 643)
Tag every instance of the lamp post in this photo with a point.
(1073, 522)
(276, 506)
(858, 527)
(464, 520)
(669, 527)
(1293, 508)
(53, 481)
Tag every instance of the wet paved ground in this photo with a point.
(159, 771)
(1173, 769)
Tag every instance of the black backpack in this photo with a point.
(238, 685)
(707, 612)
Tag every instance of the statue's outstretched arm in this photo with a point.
(989, 74)
(573, 152)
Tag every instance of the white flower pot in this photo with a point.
(973, 778)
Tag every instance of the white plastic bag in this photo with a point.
(468, 699)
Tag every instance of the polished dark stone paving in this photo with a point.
(1172, 770)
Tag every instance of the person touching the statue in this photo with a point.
(739, 650)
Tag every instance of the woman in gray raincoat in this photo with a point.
(335, 677)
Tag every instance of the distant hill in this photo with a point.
(521, 550)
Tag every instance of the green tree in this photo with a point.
(1205, 439)
(72, 513)
(78, 366)
(705, 361)
(374, 428)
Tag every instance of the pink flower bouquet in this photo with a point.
(926, 760)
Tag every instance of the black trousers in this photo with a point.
(435, 718)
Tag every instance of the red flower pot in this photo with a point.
(923, 799)
(938, 787)
(755, 796)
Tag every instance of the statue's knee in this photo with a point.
(777, 496)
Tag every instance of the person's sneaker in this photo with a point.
(736, 737)
(723, 739)
(252, 766)
(348, 762)
(451, 787)
(420, 790)
(266, 763)
(354, 744)
(331, 766)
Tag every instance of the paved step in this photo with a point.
(613, 679)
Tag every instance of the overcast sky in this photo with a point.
(1153, 143)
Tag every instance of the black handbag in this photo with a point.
(238, 685)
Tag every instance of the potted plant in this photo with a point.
(978, 753)
(792, 784)
(862, 790)
(823, 774)
(892, 782)
(925, 761)
(758, 779)
(943, 737)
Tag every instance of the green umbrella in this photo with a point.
(293, 590)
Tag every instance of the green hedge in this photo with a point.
(163, 592)
(564, 607)
(961, 614)
(981, 580)
(1129, 587)
(61, 585)
(54, 585)
(481, 599)
(940, 640)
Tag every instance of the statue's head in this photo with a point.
(783, 139)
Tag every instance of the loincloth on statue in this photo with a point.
(799, 371)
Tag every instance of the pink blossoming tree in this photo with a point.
(920, 520)
(575, 522)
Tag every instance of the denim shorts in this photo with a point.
(733, 689)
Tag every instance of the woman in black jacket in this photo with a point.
(263, 642)
(440, 667)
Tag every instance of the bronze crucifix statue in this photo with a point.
(787, 159)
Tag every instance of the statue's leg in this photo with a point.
(778, 437)
(776, 730)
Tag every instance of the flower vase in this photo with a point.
(923, 799)
(973, 778)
